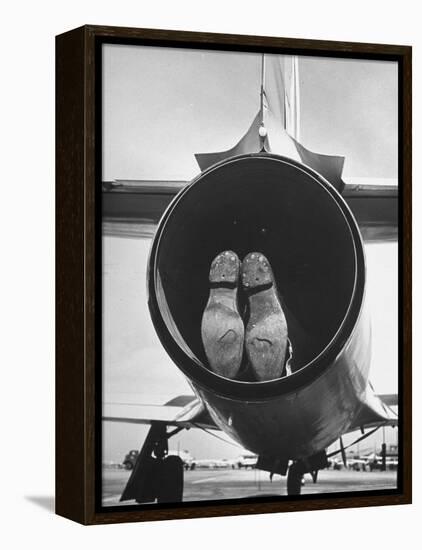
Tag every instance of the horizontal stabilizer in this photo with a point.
(133, 209)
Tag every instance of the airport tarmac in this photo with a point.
(209, 484)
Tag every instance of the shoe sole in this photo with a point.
(266, 333)
(222, 328)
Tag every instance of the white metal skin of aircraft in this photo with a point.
(284, 209)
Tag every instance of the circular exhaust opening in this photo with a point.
(261, 203)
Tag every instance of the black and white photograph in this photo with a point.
(250, 245)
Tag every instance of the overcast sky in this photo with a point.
(163, 105)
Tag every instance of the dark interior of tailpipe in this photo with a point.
(266, 205)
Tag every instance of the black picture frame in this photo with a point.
(78, 283)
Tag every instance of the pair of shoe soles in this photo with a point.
(224, 334)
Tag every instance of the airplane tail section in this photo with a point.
(276, 126)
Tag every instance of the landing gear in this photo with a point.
(299, 468)
(155, 475)
(294, 478)
(170, 487)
